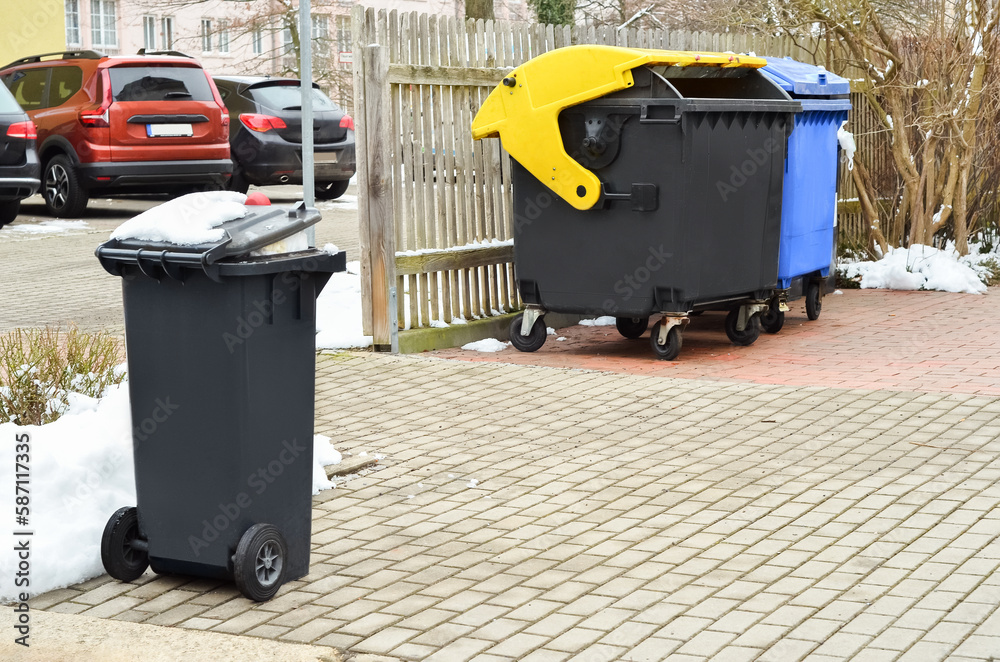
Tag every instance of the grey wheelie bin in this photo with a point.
(221, 356)
(644, 182)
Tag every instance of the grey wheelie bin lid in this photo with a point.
(242, 245)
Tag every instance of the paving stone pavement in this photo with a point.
(937, 342)
(546, 514)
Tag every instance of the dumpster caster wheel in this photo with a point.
(669, 351)
(772, 319)
(530, 342)
(121, 559)
(814, 300)
(632, 327)
(259, 563)
(747, 336)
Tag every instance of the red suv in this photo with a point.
(152, 122)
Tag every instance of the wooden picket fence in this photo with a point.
(435, 205)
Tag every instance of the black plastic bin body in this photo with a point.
(690, 217)
(221, 363)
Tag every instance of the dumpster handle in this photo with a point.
(644, 197)
(655, 113)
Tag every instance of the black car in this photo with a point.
(19, 169)
(266, 135)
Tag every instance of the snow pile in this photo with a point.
(486, 345)
(188, 220)
(323, 455)
(81, 471)
(606, 320)
(338, 311)
(46, 227)
(917, 268)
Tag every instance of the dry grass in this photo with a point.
(39, 368)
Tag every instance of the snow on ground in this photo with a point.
(81, 472)
(45, 227)
(606, 320)
(486, 345)
(338, 312)
(343, 202)
(918, 268)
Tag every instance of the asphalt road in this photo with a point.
(50, 276)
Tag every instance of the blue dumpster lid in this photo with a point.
(801, 79)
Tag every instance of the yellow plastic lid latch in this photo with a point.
(523, 110)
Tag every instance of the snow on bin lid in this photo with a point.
(215, 223)
(800, 78)
(189, 220)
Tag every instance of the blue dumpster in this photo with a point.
(809, 197)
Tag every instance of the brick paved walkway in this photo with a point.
(624, 517)
(920, 341)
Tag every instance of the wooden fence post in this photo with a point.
(359, 30)
(378, 234)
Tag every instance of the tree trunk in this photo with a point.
(479, 9)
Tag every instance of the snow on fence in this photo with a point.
(434, 205)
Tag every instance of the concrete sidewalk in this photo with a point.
(549, 514)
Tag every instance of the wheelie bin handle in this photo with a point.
(523, 110)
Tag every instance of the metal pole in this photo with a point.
(305, 79)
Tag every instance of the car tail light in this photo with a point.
(347, 122)
(24, 130)
(100, 116)
(262, 123)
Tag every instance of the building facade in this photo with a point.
(231, 37)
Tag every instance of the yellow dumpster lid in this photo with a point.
(524, 109)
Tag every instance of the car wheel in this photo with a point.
(331, 190)
(64, 196)
(8, 211)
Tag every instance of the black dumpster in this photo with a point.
(689, 155)
(221, 358)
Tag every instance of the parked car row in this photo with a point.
(81, 124)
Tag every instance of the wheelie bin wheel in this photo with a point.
(747, 336)
(672, 348)
(123, 561)
(530, 342)
(814, 300)
(259, 562)
(772, 319)
(632, 327)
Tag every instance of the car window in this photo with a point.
(28, 87)
(7, 102)
(65, 82)
(159, 83)
(289, 97)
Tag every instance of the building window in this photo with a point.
(257, 38)
(344, 45)
(206, 35)
(149, 33)
(103, 20)
(321, 34)
(72, 23)
(167, 32)
(290, 58)
(223, 36)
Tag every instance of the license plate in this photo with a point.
(324, 157)
(169, 130)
